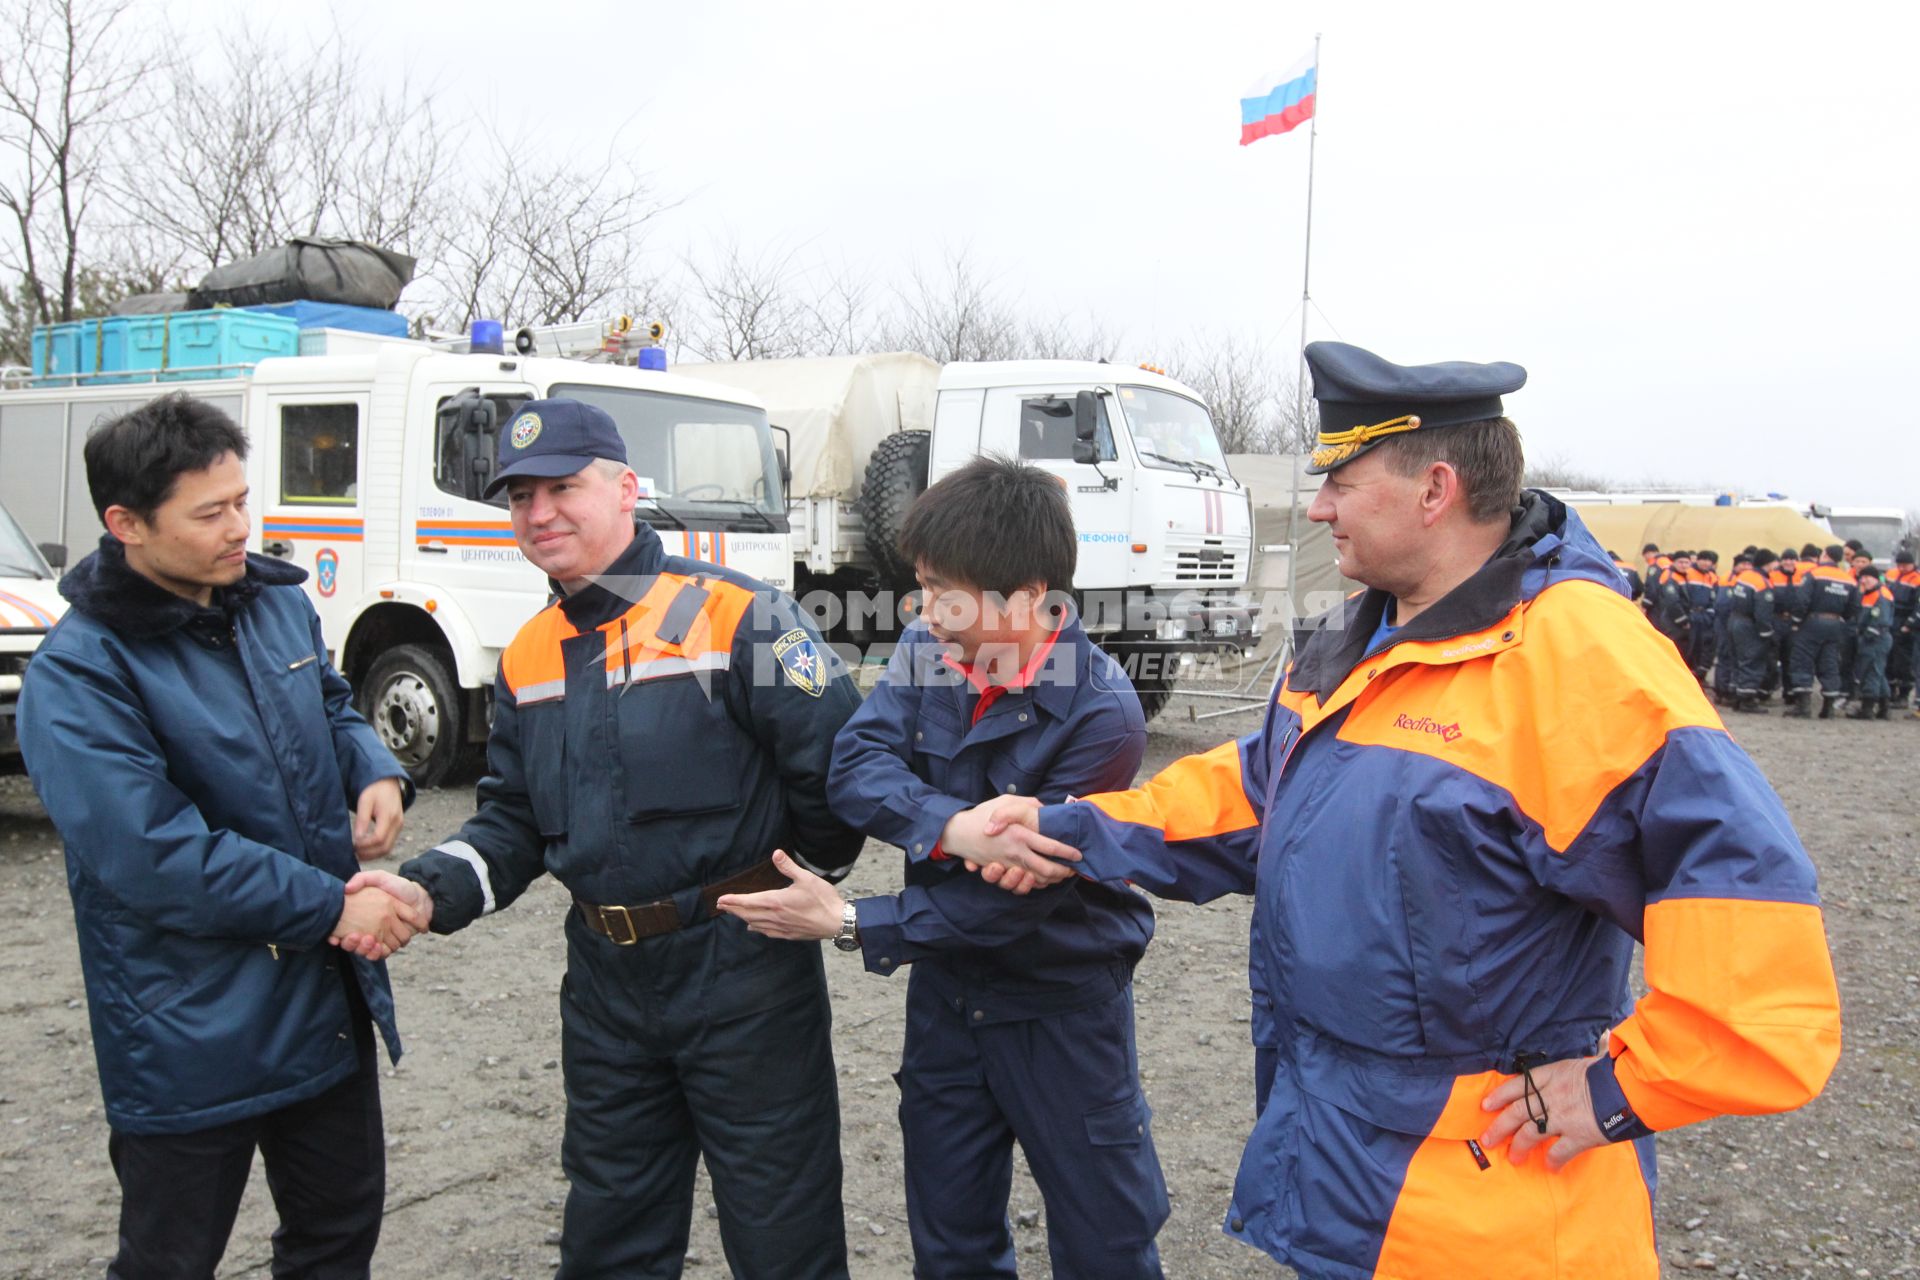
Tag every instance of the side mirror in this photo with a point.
(786, 469)
(783, 452)
(465, 429)
(1086, 451)
(55, 554)
(1086, 418)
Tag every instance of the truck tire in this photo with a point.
(1154, 684)
(412, 701)
(896, 475)
(1154, 695)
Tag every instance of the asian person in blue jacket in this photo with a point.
(1019, 1020)
(216, 791)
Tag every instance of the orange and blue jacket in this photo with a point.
(662, 729)
(1454, 836)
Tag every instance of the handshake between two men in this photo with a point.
(382, 912)
(998, 838)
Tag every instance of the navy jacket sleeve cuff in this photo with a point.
(935, 812)
(1611, 1110)
(880, 936)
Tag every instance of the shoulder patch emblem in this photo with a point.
(525, 430)
(801, 661)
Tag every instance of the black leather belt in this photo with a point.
(625, 925)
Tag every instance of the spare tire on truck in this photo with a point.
(896, 475)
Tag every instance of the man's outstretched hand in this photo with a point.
(808, 908)
(1001, 838)
(383, 913)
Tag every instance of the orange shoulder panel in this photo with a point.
(1575, 704)
(533, 656)
(712, 631)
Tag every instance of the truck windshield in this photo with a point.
(1171, 432)
(690, 450)
(18, 557)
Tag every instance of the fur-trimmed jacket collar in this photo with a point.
(106, 588)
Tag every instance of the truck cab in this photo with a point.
(367, 462)
(1165, 530)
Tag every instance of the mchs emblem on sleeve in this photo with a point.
(526, 429)
(802, 662)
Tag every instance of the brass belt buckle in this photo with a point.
(606, 921)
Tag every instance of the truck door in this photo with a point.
(309, 512)
(1036, 425)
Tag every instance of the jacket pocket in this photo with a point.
(1120, 1124)
(543, 737)
(677, 749)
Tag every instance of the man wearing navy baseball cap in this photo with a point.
(658, 731)
(558, 437)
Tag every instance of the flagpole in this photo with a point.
(1300, 375)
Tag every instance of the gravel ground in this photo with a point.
(474, 1111)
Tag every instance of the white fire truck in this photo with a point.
(368, 456)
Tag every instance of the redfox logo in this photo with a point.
(1427, 724)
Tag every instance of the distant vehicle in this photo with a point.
(1165, 530)
(29, 606)
(367, 463)
(1881, 530)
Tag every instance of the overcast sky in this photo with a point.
(1695, 224)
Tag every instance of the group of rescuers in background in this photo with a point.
(1480, 783)
(1781, 622)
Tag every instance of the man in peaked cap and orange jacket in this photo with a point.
(1482, 781)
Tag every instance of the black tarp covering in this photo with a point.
(151, 304)
(310, 270)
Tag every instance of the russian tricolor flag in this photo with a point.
(1277, 103)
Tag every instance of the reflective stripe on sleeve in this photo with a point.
(469, 855)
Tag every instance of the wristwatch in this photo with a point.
(848, 939)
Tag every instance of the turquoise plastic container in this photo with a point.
(82, 347)
(206, 344)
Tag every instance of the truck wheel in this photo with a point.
(896, 475)
(1156, 670)
(410, 698)
(1154, 695)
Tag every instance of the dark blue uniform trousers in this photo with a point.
(707, 1042)
(1816, 649)
(1066, 1085)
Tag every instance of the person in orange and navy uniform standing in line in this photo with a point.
(1481, 782)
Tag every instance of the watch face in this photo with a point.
(847, 944)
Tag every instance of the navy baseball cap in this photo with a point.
(1364, 399)
(555, 437)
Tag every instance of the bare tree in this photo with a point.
(952, 314)
(841, 312)
(258, 146)
(71, 74)
(544, 242)
(1557, 471)
(1058, 338)
(745, 307)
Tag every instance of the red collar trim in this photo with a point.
(991, 693)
